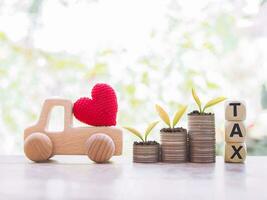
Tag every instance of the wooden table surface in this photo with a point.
(75, 177)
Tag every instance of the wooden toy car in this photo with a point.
(99, 143)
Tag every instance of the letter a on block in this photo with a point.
(235, 152)
(235, 131)
(235, 110)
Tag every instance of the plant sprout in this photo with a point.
(139, 134)
(209, 104)
(165, 117)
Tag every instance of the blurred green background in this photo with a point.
(150, 51)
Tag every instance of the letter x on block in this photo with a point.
(236, 152)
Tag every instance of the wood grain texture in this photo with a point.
(72, 140)
(38, 147)
(72, 177)
(100, 148)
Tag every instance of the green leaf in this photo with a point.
(106, 52)
(178, 115)
(3, 36)
(135, 132)
(130, 89)
(149, 129)
(163, 115)
(194, 94)
(213, 102)
(212, 85)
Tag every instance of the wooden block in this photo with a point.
(235, 110)
(235, 131)
(235, 152)
(70, 141)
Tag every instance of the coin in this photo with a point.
(145, 153)
(202, 141)
(174, 146)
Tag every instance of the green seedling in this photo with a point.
(142, 137)
(209, 104)
(165, 117)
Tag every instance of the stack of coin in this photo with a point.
(145, 153)
(202, 142)
(173, 145)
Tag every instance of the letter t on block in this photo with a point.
(235, 111)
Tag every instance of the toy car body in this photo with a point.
(70, 141)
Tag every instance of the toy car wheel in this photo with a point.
(100, 148)
(38, 147)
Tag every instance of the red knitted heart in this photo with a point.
(100, 110)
